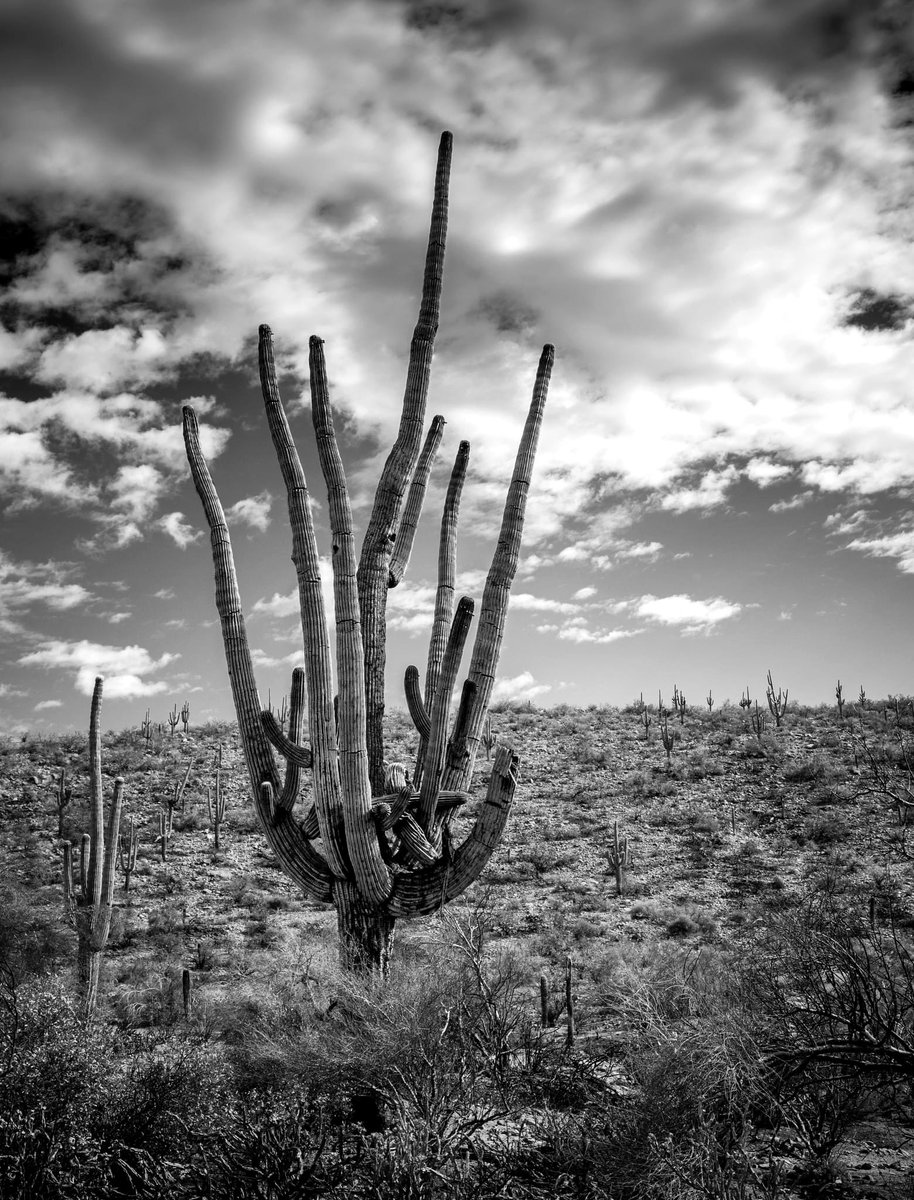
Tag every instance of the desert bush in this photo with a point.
(835, 995)
(33, 939)
(685, 1126)
(678, 921)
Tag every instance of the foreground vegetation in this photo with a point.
(741, 1017)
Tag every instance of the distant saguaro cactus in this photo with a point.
(384, 850)
(89, 898)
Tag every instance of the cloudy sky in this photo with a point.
(704, 204)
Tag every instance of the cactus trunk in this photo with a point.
(366, 932)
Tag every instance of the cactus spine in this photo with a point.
(90, 899)
(384, 843)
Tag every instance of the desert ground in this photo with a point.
(741, 1019)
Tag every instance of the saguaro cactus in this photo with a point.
(90, 898)
(372, 843)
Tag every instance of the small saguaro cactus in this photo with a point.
(744, 701)
(645, 715)
(128, 845)
(839, 697)
(709, 700)
(173, 720)
(385, 849)
(89, 898)
(667, 736)
(777, 702)
(215, 800)
(620, 857)
(146, 728)
(185, 716)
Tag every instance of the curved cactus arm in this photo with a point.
(380, 535)
(300, 861)
(315, 635)
(457, 743)
(418, 893)
(414, 701)
(92, 887)
(406, 534)
(372, 875)
(447, 572)
(497, 590)
(257, 753)
(440, 713)
(289, 793)
(297, 756)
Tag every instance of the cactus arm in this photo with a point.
(289, 793)
(372, 874)
(437, 736)
(299, 859)
(380, 535)
(417, 710)
(92, 888)
(497, 590)
(457, 744)
(299, 756)
(258, 757)
(406, 534)
(447, 572)
(417, 893)
(315, 636)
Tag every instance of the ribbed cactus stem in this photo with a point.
(447, 572)
(406, 534)
(381, 533)
(371, 872)
(414, 702)
(497, 591)
(315, 634)
(299, 859)
(96, 801)
(289, 793)
(434, 764)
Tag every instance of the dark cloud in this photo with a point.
(509, 313)
(872, 311)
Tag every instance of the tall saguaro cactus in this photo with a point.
(89, 898)
(372, 842)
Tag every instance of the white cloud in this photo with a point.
(530, 603)
(252, 510)
(124, 668)
(899, 546)
(602, 637)
(584, 593)
(518, 688)
(177, 528)
(48, 704)
(710, 491)
(261, 659)
(692, 615)
(25, 584)
(764, 472)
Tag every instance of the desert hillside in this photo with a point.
(765, 914)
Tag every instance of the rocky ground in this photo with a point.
(723, 832)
